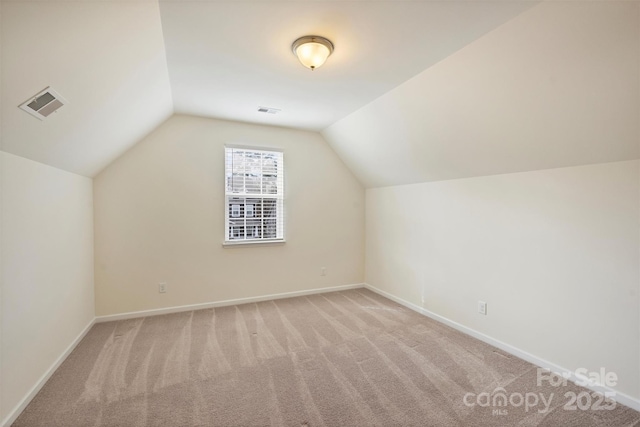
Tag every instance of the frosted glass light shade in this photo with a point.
(312, 51)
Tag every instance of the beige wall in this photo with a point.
(554, 253)
(159, 217)
(47, 270)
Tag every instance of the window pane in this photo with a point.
(254, 229)
(269, 208)
(248, 210)
(270, 229)
(237, 183)
(269, 174)
(269, 184)
(236, 208)
(236, 229)
(252, 184)
(237, 167)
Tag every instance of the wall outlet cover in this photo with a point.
(482, 307)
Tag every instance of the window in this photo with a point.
(254, 195)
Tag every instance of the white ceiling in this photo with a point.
(415, 91)
(227, 58)
(106, 58)
(126, 66)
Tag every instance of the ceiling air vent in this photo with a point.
(43, 104)
(268, 110)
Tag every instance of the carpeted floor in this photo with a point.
(350, 358)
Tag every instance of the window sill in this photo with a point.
(272, 242)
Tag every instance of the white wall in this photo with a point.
(159, 217)
(47, 270)
(554, 253)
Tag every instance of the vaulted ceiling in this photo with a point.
(227, 58)
(557, 86)
(107, 59)
(415, 90)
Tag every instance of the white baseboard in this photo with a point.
(181, 308)
(15, 412)
(619, 397)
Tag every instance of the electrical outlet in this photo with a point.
(323, 271)
(482, 307)
(162, 287)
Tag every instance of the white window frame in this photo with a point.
(231, 193)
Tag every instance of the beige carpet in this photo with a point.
(348, 358)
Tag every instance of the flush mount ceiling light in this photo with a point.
(312, 51)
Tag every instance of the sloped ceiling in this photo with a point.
(557, 86)
(227, 58)
(415, 91)
(106, 58)
(127, 65)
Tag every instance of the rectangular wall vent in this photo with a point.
(43, 104)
